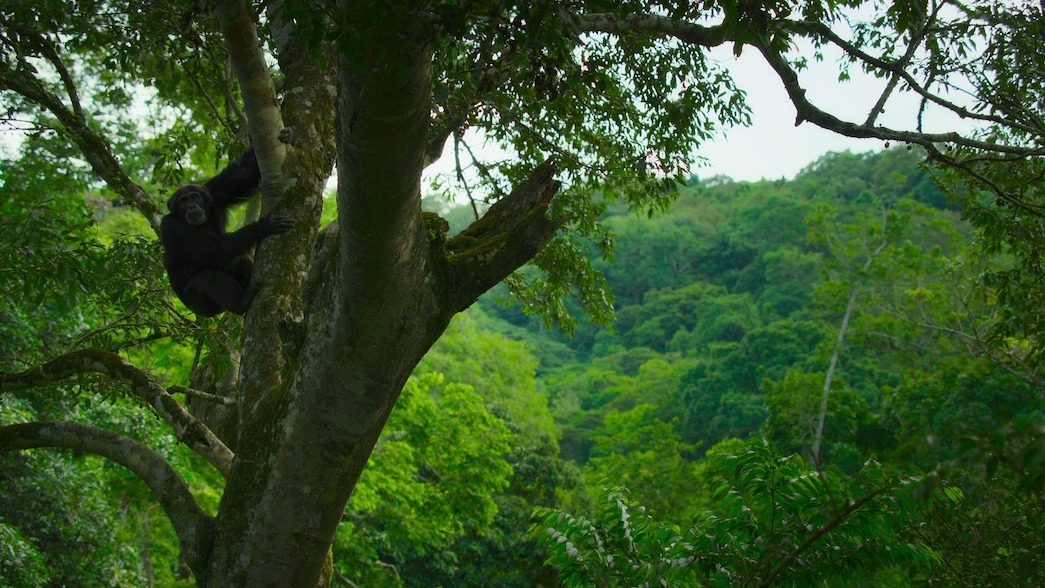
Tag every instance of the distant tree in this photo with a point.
(644, 454)
(408, 498)
(707, 313)
(611, 99)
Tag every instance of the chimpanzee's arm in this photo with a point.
(237, 182)
(195, 248)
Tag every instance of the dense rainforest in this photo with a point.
(680, 440)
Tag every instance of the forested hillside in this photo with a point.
(657, 448)
(732, 309)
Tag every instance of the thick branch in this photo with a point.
(190, 522)
(384, 101)
(188, 429)
(506, 237)
(94, 147)
(686, 32)
(263, 360)
(259, 96)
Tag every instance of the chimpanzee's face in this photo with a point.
(190, 203)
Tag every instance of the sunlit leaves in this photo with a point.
(441, 458)
(564, 271)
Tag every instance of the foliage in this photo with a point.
(57, 508)
(724, 324)
(994, 533)
(501, 370)
(23, 563)
(500, 553)
(793, 403)
(776, 522)
(1002, 197)
(687, 318)
(442, 457)
(644, 454)
(914, 370)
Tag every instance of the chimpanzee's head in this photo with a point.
(191, 203)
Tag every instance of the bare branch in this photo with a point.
(460, 175)
(187, 428)
(214, 398)
(912, 48)
(195, 79)
(484, 171)
(191, 524)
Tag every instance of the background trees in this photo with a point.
(287, 410)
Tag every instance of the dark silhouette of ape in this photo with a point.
(208, 268)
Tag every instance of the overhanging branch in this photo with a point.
(807, 111)
(897, 69)
(191, 524)
(187, 428)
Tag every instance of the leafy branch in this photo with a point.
(772, 521)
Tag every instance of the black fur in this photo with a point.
(210, 269)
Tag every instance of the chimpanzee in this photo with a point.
(208, 268)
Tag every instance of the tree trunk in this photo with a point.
(318, 384)
(818, 435)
